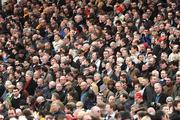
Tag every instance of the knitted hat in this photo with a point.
(138, 95)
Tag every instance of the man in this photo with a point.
(108, 70)
(92, 85)
(40, 89)
(42, 105)
(61, 91)
(125, 102)
(133, 71)
(120, 90)
(88, 97)
(99, 82)
(17, 98)
(149, 93)
(176, 89)
(168, 88)
(163, 75)
(11, 113)
(49, 90)
(111, 99)
(160, 97)
(96, 60)
(57, 109)
(96, 112)
(110, 109)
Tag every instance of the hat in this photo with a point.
(146, 45)
(119, 9)
(138, 95)
(162, 38)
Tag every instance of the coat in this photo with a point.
(88, 97)
(176, 90)
(149, 94)
(29, 88)
(160, 98)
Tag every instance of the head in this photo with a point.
(40, 82)
(11, 113)
(29, 75)
(168, 81)
(163, 74)
(97, 77)
(96, 111)
(165, 108)
(123, 98)
(19, 85)
(55, 106)
(51, 84)
(15, 92)
(111, 99)
(55, 97)
(176, 105)
(79, 105)
(161, 115)
(177, 78)
(59, 87)
(83, 86)
(118, 86)
(153, 79)
(158, 88)
(110, 108)
(151, 111)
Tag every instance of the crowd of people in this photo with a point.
(90, 60)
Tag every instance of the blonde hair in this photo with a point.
(146, 118)
(106, 80)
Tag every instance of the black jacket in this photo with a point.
(32, 87)
(162, 98)
(149, 94)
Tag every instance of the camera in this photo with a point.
(155, 105)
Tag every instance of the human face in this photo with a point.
(15, 92)
(118, 86)
(163, 74)
(157, 89)
(178, 107)
(165, 109)
(178, 80)
(168, 81)
(111, 99)
(28, 77)
(11, 113)
(153, 80)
